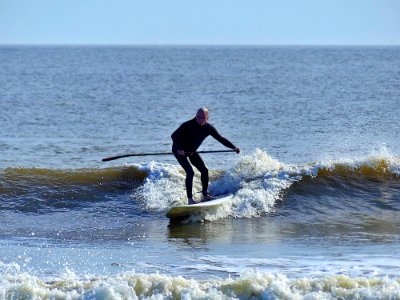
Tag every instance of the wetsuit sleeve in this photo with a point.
(214, 133)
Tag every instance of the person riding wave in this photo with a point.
(186, 140)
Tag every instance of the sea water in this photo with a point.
(316, 204)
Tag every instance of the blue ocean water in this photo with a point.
(316, 208)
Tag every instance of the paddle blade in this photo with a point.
(115, 157)
(108, 158)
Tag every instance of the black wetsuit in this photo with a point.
(188, 137)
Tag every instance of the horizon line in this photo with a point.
(193, 45)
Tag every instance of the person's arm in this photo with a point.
(214, 133)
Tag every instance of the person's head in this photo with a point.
(202, 116)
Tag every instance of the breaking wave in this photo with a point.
(258, 181)
(248, 285)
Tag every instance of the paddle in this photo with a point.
(160, 153)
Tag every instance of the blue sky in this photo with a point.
(232, 22)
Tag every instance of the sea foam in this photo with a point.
(248, 285)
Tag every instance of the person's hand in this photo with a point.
(180, 152)
(237, 150)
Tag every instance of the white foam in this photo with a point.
(256, 180)
(249, 284)
(163, 187)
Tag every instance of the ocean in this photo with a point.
(316, 207)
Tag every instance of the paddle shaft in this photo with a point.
(161, 153)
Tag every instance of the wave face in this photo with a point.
(261, 185)
(33, 190)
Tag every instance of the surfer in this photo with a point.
(186, 140)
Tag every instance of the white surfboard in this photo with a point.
(186, 210)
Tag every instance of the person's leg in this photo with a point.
(198, 162)
(183, 161)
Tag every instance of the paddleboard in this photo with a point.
(181, 211)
